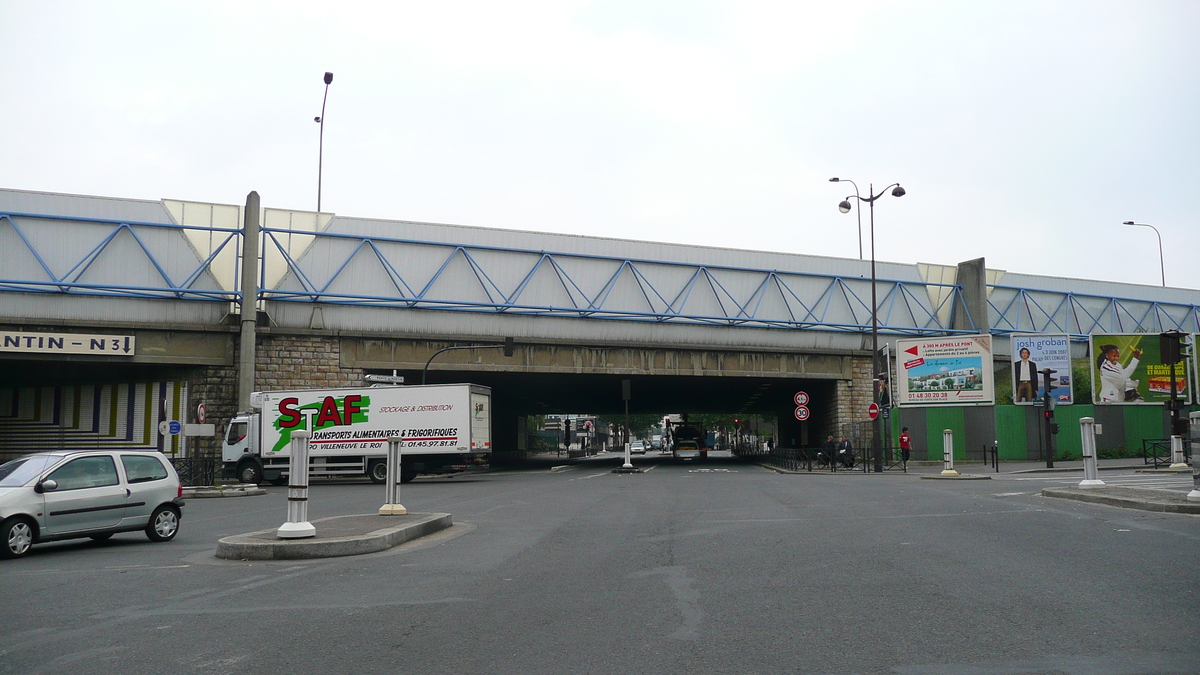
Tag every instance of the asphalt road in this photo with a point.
(716, 567)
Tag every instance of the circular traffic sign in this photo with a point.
(802, 413)
(201, 413)
(801, 398)
(873, 410)
(164, 427)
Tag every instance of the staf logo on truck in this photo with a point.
(331, 411)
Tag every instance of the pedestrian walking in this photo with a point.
(905, 445)
(828, 452)
(845, 453)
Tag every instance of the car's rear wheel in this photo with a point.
(17, 535)
(164, 524)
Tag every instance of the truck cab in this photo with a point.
(239, 452)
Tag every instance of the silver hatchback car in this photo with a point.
(49, 496)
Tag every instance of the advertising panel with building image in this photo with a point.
(954, 370)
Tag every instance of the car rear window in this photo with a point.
(143, 469)
(24, 469)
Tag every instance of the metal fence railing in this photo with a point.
(818, 459)
(1157, 451)
(197, 471)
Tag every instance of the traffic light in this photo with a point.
(510, 346)
(1169, 346)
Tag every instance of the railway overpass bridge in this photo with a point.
(153, 293)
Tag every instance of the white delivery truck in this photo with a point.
(445, 427)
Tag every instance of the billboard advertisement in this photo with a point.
(1035, 352)
(944, 371)
(1127, 369)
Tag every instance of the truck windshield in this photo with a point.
(237, 431)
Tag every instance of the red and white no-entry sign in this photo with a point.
(873, 410)
(802, 413)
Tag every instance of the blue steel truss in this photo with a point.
(500, 280)
(179, 270)
(808, 301)
(1016, 309)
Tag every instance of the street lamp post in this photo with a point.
(321, 145)
(857, 213)
(1162, 268)
(844, 207)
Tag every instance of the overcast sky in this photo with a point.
(1023, 132)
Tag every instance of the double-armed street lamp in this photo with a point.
(321, 145)
(1162, 268)
(844, 207)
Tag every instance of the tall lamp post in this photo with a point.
(321, 146)
(857, 213)
(1162, 268)
(844, 207)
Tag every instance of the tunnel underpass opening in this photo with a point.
(521, 395)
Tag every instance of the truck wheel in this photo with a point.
(377, 471)
(249, 472)
(407, 474)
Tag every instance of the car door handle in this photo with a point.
(128, 493)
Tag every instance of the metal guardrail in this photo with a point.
(1157, 451)
(813, 460)
(197, 471)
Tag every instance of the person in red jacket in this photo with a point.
(905, 444)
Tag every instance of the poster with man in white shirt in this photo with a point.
(1032, 353)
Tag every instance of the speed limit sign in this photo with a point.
(802, 413)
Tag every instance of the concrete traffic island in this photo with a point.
(217, 491)
(1144, 499)
(957, 476)
(336, 536)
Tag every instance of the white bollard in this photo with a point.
(1087, 434)
(628, 464)
(948, 453)
(1177, 453)
(391, 494)
(297, 525)
(1194, 432)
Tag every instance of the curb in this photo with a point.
(1143, 499)
(961, 476)
(337, 536)
(209, 491)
